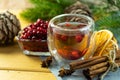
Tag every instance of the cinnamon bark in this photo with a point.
(89, 62)
(97, 66)
(77, 63)
(91, 73)
(96, 61)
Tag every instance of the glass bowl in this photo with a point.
(33, 47)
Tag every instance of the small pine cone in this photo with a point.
(9, 28)
(78, 8)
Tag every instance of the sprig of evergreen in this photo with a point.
(45, 9)
(111, 22)
(42, 9)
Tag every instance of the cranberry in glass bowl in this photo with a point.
(33, 39)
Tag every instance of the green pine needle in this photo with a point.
(45, 9)
(112, 23)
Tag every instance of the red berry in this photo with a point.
(67, 24)
(57, 36)
(75, 54)
(29, 28)
(78, 38)
(64, 38)
(37, 31)
(25, 29)
(24, 36)
(36, 24)
(39, 21)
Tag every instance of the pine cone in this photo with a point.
(78, 8)
(9, 28)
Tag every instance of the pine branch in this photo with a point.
(111, 22)
(44, 9)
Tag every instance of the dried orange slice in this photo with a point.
(100, 43)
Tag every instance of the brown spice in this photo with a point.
(96, 61)
(89, 73)
(47, 62)
(64, 72)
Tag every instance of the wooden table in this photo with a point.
(14, 65)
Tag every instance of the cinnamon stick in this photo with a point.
(97, 61)
(98, 71)
(93, 72)
(89, 62)
(80, 62)
(89, 73)
(89, 77)
(97, 66)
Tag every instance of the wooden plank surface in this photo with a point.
(12, 58)
(24, 75)
(14, 65)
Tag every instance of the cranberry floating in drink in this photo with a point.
(69, 36)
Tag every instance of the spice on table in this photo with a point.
(47, 62)
(64, 72)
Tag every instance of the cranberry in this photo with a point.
(68, 24)
(37, 31)
(39, 28)
(75, 54)
(64, 37)
(24, 36)
(41, 25)
(78, 38)
(57, 36)
(36, 24)
(29, 28)
(34, 31)
(25, 29)
(45, 26)
(38, 21)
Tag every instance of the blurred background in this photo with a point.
(106, 13)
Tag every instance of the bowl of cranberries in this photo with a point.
(33, 38)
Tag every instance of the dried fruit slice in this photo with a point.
(102, 41)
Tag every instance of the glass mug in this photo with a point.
(69, 36)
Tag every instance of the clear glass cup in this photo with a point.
(69, 36)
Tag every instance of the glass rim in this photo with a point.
(89, 25)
